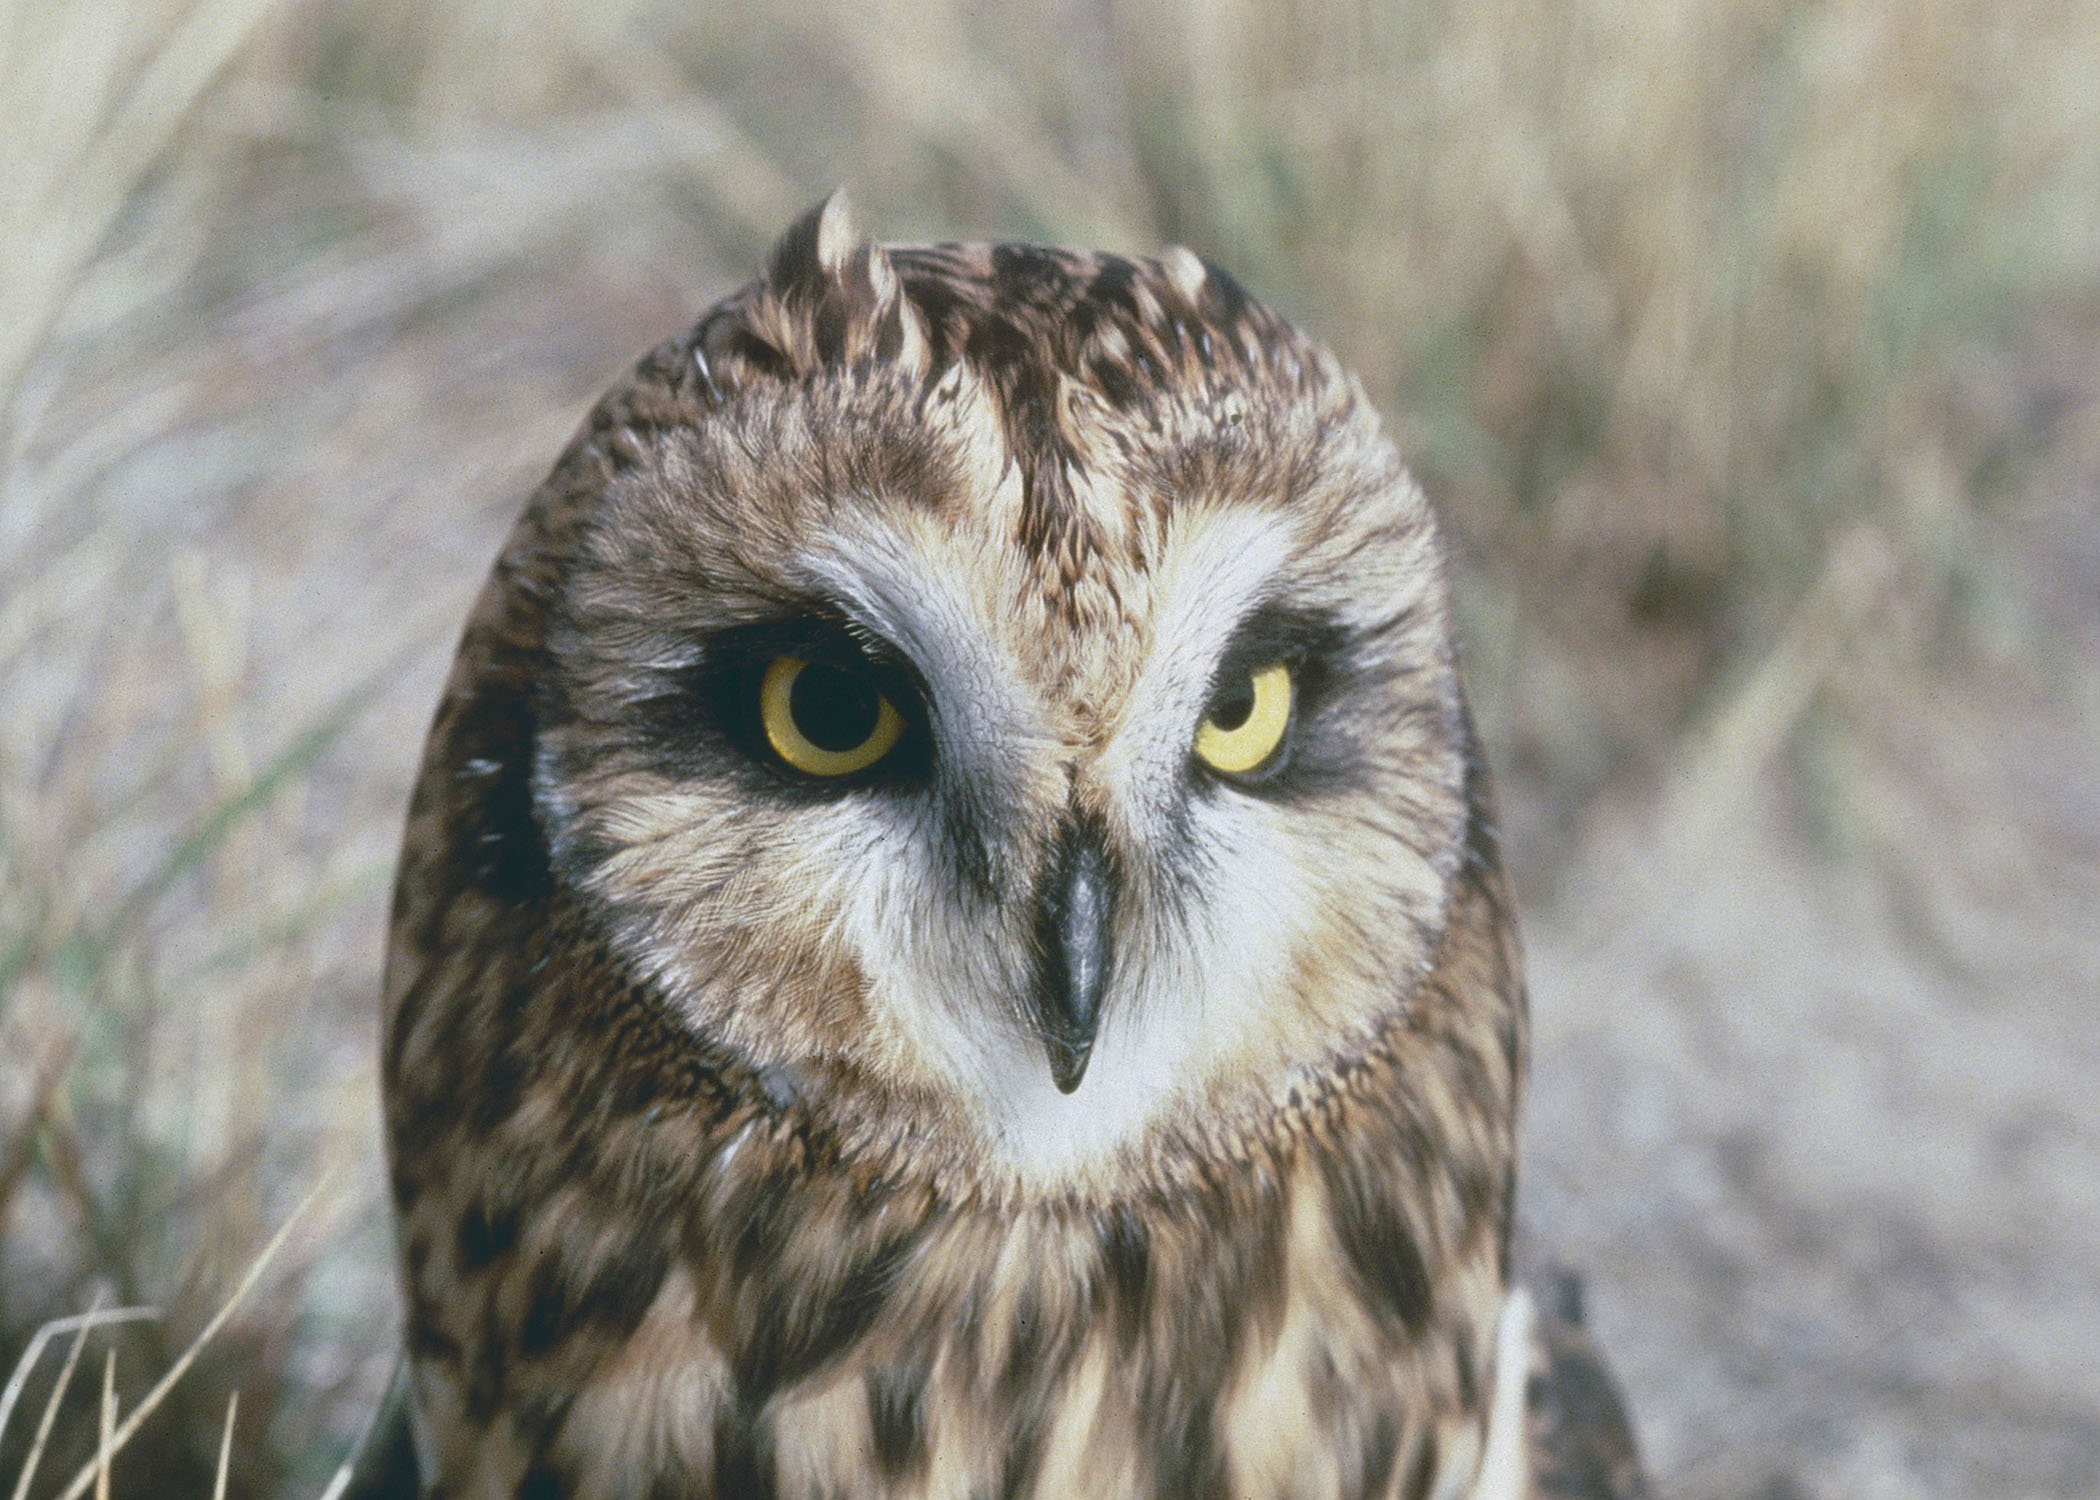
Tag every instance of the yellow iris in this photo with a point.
(825, 720)
(1245, 729)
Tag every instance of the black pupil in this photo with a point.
(1229, 710)
(835, 709)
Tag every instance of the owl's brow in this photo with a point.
(814, 626)
(890, 587)
(1277, 630)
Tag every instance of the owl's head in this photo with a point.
(1005, 696)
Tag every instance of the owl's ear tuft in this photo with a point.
(815, 248)
(829, 296)
(1185, 272)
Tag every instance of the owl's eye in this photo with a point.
(1245, 726)
(825, 720)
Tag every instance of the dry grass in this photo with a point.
(1753, 348)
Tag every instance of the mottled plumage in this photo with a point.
(1036, 1111)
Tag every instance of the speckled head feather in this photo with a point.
(1039, 1107)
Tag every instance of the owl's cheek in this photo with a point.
(948, 985)
(735, 916)
(775, 998)
(1304, 924)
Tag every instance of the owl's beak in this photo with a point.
(1072, 937)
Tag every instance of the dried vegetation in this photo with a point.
(1752, 346)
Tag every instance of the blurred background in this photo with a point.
(1751, 348)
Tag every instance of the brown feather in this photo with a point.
(683, 1209)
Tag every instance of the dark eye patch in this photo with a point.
(1314, 647)
(708, 721)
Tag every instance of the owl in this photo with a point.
(950, 940)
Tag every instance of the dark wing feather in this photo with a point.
(1575, 1420)
(384, 1467)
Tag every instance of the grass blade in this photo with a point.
(176, 1371)
(103, 1451)
(78, 1325)
(187, 855)
(17, 1154)
(81, 1325)
(218, 1485)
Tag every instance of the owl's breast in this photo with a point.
(1265, 1335)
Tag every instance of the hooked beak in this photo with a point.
(1072, 938)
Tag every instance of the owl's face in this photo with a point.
(1023, 700)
